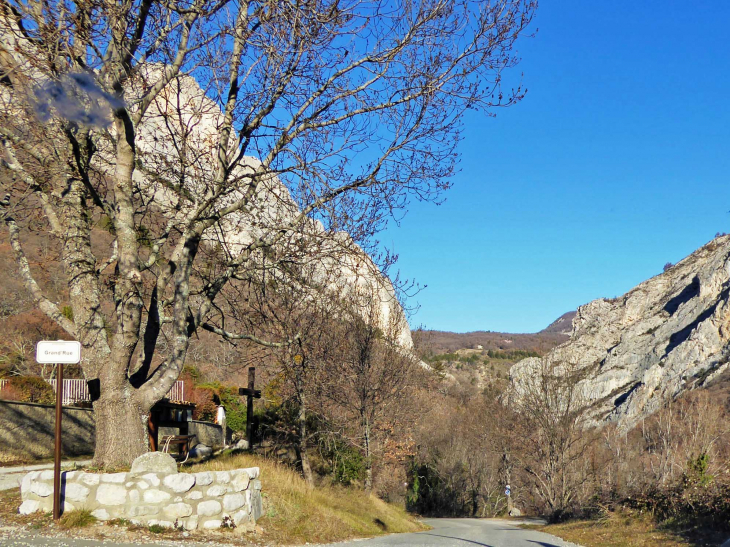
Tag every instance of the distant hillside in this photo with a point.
(562, 325)
(435, 342)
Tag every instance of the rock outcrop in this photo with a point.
(669, 334)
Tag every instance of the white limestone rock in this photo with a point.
(116, 478)
(240, 482)
(204, 479)
(154, 462)
(101, 514)
(155, 496)
(178, 510)
(209, 508)
(89, 479)
(41, 489)
(667, 335)
(216, 491)
(76, 492)
(181, 482)
(231, 502)
(28, 507)
(212, 524)
(194, 495)
(152, 478)
(111, 494)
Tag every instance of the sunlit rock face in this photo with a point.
(337, 262)
(667, 335)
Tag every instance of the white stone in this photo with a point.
(117, 478)
(665, 336)
(27, 480)
(209, 508)
(90, 479)
(178, 510)
(240, 517)
(46, 475)
(240, 482)
(142, 485)
(232, 502)
(194, 495)
(204, 478)
(182, 482)
(129, 484)
(28, 507)
(216, 491)
(191, 523)
(70, 475)
(142, 510)
(156, 496)
(101, 514)
(151, 478)
(41, 489)
(134, 496)
(154, 462)
(76, 492)
(67, 507)
(212, 524)
(222, 476)
(177, 499)
(253, 472)
(111, 494)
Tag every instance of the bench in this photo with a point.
(183, 441)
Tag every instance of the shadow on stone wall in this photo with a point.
(27, 431)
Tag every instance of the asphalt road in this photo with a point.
(466, 533)
(445, 533)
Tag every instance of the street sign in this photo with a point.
(58, 352)
(507, 490)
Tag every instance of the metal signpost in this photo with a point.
(58, 353)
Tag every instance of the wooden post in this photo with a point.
(250, 393)
(57, 449)
(249, 408)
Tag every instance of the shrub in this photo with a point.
(29, 389)
(205, 404)
(232, 402)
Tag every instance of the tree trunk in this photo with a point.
(121, 428)
(304, 444)
(368, 459)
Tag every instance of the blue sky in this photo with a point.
(616, 162)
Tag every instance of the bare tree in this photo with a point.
(369, 373)
(142, 117)
(551, 412)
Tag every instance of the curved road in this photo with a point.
(466, 533)
(445, 533)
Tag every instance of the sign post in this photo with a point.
(59, 353)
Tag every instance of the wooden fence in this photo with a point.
(78, 390)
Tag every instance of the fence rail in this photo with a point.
(77, 390)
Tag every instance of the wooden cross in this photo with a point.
(251, 394)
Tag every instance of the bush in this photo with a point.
(29, 389)
(208, 396)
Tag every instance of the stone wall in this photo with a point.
(153, 493)
(26, 431)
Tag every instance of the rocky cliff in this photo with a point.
(669, 334)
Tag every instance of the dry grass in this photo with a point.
(76, 519)
(295, 514)
(621, 529)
